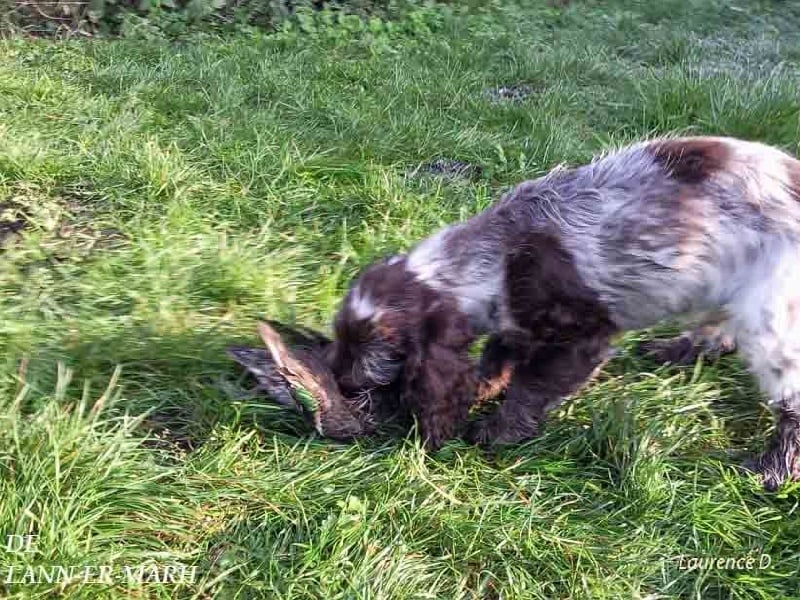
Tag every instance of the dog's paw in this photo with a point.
(679, 350)
(477, 433)
(494, 431)
(684, 350)
(772, 470)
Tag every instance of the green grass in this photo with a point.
(173, 193)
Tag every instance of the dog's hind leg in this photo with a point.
(710, 339)
(767, 320)
(776, 362)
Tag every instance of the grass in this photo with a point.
(158, 197)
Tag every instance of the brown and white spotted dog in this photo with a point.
(663, 228)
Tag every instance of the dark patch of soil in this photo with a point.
(449, 169)
(515, 93)
(12, 221)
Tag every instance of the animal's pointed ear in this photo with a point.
(260, 364)
(439, 379)
(297, 336)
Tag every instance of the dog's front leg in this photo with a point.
(541, 381)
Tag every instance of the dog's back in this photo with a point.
(671, 226)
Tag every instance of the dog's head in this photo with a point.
(393, 329)
(372, 327)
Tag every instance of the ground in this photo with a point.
(158, 197)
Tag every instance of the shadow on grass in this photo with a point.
(739, 403)
(184, 382)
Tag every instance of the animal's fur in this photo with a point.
(656, 230)
(415, 334)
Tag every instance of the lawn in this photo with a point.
(158, 197)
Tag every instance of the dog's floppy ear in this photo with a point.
(439, 381)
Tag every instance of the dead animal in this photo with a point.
(298, 378)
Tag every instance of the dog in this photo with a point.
(705, 227)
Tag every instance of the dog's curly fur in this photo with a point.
(421, 339)
(664, 228)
